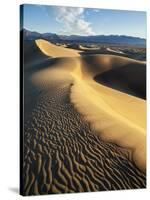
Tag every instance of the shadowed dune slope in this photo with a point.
(31, 51)
(119, 79)
(64, 106)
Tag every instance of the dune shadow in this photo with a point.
(34, 58)
(130, 79)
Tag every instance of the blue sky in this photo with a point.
(84, 21)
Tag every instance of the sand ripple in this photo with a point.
(61, 155)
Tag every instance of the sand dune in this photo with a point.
(79, 134)
(112, 50)
(31, 51)
(112, 114)
(55, 51)
(119, 79)
(88, 48)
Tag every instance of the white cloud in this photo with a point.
(73, 21)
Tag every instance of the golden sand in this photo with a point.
(116, 116)
(79, 135)
(55, 51)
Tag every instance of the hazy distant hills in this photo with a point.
(105, 39)
(32, 35)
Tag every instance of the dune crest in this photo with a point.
(55, 51)
(116, 116)
(112, 50)
(113, 125)
(88, 48)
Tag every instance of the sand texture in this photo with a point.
(81, 132)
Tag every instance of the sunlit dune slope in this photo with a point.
(55, 51)
(87, 48)
(116, 116)
(112, 50)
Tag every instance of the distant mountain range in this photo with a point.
(103, 39)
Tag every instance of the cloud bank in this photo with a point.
(73, 21)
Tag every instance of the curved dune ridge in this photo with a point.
(88, 48)
(112, 50)
(50, 49)
(117, 117)
(64, 106)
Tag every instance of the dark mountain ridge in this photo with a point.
(101, 39)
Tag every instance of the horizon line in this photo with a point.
(83, 35)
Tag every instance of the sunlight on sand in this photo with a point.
(116, 116)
